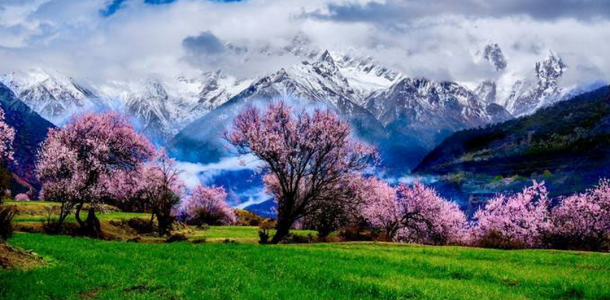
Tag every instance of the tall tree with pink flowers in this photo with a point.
(306, 155)
(78, 163)
(155, 186)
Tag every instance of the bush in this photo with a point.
(247, 218)
(7, 213)
(177, 237)
(22, 197)
(141, 226)
(511, 221)
(495, 239)
(264, 231)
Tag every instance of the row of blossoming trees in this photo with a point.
(100, 158)
(318, 175)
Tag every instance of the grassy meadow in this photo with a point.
(83, 268)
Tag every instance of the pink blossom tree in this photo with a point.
(78, 163)
(154, 186)
(382, 208)
(22, 197)
(413, 214)
(208, 205)
(7, 136)
(343, 212)
(582, 221)
(514, 221)
(428, 218)
(305, 155)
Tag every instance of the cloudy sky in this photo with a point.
(132, 39)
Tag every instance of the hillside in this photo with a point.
(571, 137)
(30, 130)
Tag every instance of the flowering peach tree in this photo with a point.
(305, 157)
(78, 163)
(208, 205)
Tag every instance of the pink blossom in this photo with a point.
(22, 197)
(208, 205)
(306, 157)
(521, 218)
(413, 213)
(78, 163)
(582, 221)
(7, 136)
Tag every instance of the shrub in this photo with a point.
(7, 213)
(264, 231)
(141, 226)
(208, 205)
(177, 237)
(582, 221)
(414, 214)
(520, 219)
(22, 197)
(247, 218)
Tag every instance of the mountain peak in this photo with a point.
(551, 68)
(326, 58)
(493, 54)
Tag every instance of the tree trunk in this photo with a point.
(93, 226)
(282, 230)
(79, 207)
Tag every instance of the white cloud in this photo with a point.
(194, 174)
(416, 37)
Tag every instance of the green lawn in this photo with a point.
(81, 268)
(102, 216)
(236, 233)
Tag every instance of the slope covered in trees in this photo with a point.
(30, 131)
(568, 141)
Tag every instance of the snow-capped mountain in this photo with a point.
(319, 83)
(409, 117)
(430, 110)
(486, 91)
(528, 95)
(397, 113)
(52, 95)
(158, 108)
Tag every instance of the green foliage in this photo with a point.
(497, 178)
(82, 268)
(571, 138)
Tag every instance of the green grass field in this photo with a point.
(80, 268)
(236, 233)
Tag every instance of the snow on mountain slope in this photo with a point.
(429, 110)
(51, 94)
(529, 95)
(160, 109)
(318, 83)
